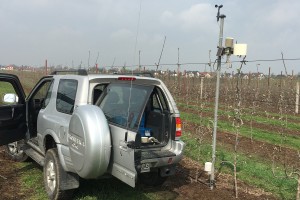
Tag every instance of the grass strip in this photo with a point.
(290, 141)
(223, 111)
(31, 179)
(253, 171)
(273, 122)
(107, 189)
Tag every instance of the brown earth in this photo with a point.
(253, 148)
(9, 179)
(265, 150)
(180, 186)
(188, 188)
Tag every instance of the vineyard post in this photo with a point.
(257, 75)
(46, 67)
(280, 79)
(184, 82)
(269, 77)
(174, 78)
(201, 88)
(297, 98)
(222, 17)
(249, 78)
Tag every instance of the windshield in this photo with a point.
(124, 103)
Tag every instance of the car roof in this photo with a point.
(121, 77)
(140, 79)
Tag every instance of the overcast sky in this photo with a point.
(65, 31)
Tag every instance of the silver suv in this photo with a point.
(90, 125)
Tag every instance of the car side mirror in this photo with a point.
(10, 98)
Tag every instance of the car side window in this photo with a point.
(48, 95)
(39, 93)
(98, 90)
(159, 102)
(66, 95)
(8, 94)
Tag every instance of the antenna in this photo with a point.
(209, 53)
(112, 66)
(284, 64)
(97, 58)
(178, 65)
(139, 60)
(124, 68)
(96, 63)
(89, 59)
(161, 53)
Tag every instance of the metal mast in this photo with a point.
(219, 54)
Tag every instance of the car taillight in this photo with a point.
(178, 128)
(126, 78)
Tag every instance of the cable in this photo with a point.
(137, 31)
(205, 63)
(134, 58)
(271, 60)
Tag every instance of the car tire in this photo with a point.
(15, 151)
(152, 178)
(53, 172)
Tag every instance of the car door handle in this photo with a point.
(12, 112)
(123, 146)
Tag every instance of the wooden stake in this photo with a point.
(297, 98)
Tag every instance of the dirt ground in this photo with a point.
(183, 185)
(188, 188)
(253, 148)
(9, 179)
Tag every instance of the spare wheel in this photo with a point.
(89, 141)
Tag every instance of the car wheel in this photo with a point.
(152, 178)
(52, 177)
(15, 151)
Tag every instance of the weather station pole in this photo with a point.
(220, 17)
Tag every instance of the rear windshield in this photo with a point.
(123, 104)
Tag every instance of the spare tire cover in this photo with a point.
(89, 141)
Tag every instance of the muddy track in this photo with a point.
(182, 185)
(9, 179)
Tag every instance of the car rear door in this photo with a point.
(122, 104)
(12, 113)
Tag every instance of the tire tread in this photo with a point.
(58, 193)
